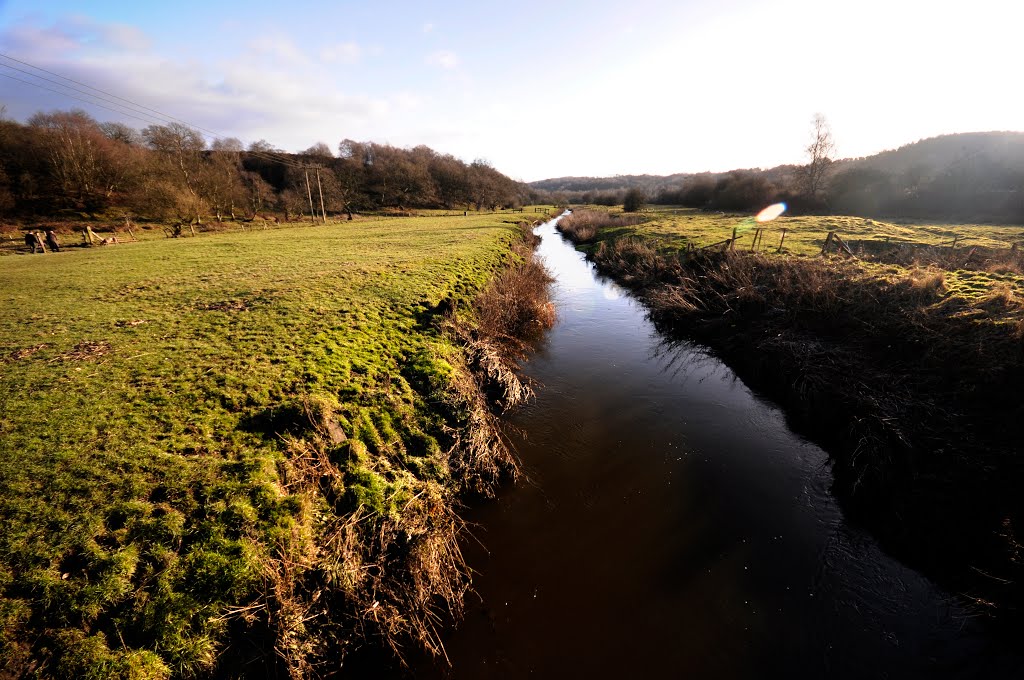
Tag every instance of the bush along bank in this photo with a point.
(911, 389)
(254, 450)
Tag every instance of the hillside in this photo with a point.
(975, 175)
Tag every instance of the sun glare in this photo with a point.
(771, 212)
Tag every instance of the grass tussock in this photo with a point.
(583, 225)
(348, 577)
(514, 310)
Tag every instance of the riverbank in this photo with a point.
(910, 386)
(250, 447)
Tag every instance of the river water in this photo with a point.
(671, 525)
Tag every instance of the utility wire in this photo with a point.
(283, 159)
(87, 101)
(125, 110)
(87, 94)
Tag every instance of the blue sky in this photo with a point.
(541, 89)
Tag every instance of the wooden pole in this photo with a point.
(320, 189)
(783, 239)
(309, 192)
(828, 240)
(732, 243)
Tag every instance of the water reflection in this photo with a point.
(674, 526)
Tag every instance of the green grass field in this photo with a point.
(679, 228)
(805, 235)
(143, 389)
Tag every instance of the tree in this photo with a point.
(181, 149)
(319, 151)
(820, 150)
(634, 200)
(227, 144)
(86, 165)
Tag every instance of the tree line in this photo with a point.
(970, 176)
(68, 162)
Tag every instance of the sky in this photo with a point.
(538, 89)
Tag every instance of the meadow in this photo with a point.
(886, 249)
(183, 422)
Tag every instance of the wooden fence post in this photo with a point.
(828, 240)
(783, 239)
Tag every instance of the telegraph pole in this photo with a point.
(320, 189)
(312, 212)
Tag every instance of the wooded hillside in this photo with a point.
(976, 176)
(68, 162)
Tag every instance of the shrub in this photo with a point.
(633, 201)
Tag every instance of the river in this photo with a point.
(671, 525)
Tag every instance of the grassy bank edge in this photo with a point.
(364, 550)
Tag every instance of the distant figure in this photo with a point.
(51, 240)
(33, 241)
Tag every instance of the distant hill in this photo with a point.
(616, 183)
(950, 152)
(972, 175)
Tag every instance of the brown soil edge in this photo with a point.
(346, 592)
(915, 408)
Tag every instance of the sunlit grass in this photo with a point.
(806, 234)
(673, 229)
(144, 389)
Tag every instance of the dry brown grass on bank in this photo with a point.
(583, 224)
(515, 310)
(343, 580)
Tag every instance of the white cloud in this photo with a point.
(445, 59)
(279, 49)
(342, 53)
(428, 27)
(258, 92)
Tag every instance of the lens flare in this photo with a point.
(771, 212)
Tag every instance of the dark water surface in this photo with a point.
(673, 526)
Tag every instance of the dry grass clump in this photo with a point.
(926, 284)
(1002, 298)
(1006, 266)
(340, 579)
(582, 225)
(513, 312)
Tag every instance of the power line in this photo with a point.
(75, 89)
(135, 104)
(123, 109)
(87, 101)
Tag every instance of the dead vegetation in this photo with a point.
(341, 580)
(582, 225)
(87, 350)
(26, 352)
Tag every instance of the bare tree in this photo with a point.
(181, 149)
(320, 151)
(88, 166)
(820, 151)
